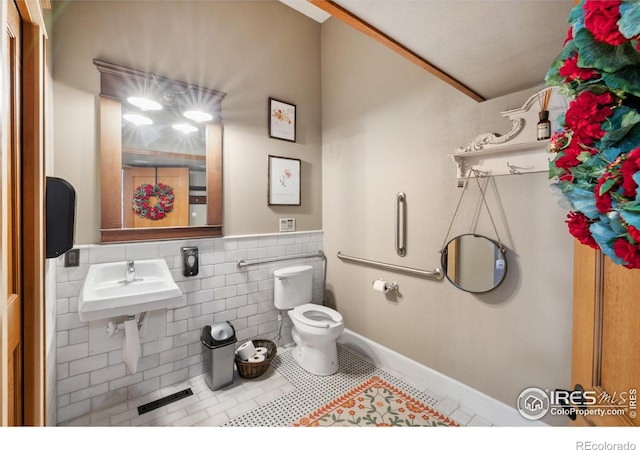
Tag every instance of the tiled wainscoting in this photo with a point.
(91, 374)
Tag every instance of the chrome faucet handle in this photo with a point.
(130, 272)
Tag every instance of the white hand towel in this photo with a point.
(131, 351)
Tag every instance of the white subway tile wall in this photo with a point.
(88, 381)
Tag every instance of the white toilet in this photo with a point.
(316, 328)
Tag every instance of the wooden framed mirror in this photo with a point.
(155, 169)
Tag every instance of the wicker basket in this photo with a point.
(251, 369)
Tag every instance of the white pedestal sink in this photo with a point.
(105, 294)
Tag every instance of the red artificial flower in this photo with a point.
(628, 169)
(571, 71)
(570, 157)
(634, 233)
(578, 225)
(567, 177)
(601, 19)
(569, 36)
(586, 114)
(603, 201)
(559, 140)
(566, 161)
(628, 252)
(148, 189)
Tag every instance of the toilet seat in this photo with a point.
(317, 316)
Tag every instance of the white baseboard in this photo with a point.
(470, 399)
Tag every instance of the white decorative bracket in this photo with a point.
(519, 150)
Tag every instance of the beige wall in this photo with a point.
(388, 126)
(250, 50)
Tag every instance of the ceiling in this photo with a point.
(493, 47)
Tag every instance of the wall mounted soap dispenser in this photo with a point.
(190, 261)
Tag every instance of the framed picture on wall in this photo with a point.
(284, 181)
(282, 120)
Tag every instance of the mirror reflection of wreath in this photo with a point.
(142, 203)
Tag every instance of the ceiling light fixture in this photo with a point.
(145, 104)
(137, 119)
(185, 128)
(198, 116)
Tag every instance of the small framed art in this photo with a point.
(284, 181)
(282, 120)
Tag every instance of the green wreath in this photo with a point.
(142, 201)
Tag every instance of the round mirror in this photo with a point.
(474, 263)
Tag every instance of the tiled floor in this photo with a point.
(277, 398)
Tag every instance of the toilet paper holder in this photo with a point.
(384, 286)
(114, 327)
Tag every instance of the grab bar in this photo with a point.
(243, 263)
(436, 273)
(400, 227)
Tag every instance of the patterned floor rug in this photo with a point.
(375, 403)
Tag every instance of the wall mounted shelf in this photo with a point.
(517, 151)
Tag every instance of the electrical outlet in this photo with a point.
(72, 258)
(287, 224)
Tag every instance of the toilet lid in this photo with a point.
(317, 315)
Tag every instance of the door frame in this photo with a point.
(33, 226)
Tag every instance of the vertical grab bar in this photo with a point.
(400, 226)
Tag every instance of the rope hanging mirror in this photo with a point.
(473, 262)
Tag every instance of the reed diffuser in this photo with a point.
(544, 125)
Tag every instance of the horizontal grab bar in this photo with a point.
(436, 273)
(243, 263)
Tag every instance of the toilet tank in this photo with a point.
(292, 286)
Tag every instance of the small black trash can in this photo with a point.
(218, 340)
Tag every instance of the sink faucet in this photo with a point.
(130, 273)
